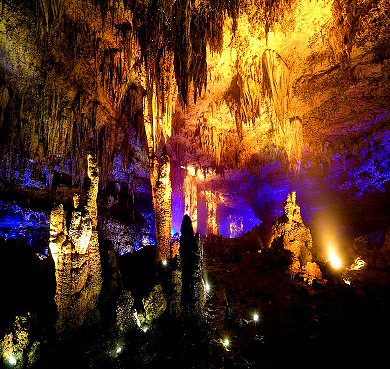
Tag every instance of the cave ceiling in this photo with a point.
(242, 93)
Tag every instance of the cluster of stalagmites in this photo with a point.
(289, 232)
(181, 290)
(75, 251)
(16, 347)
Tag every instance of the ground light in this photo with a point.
(165, 262)
(119, 350)
(334, 260)
(12, 360)
(256, 317)
(207, 287)
(225, 343)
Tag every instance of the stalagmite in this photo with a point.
(193, 295)
(176, 287)
(289, 232)
(76, 256)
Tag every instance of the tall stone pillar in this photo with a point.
(76, 256)
(162, 197)
(190, 197)
(193, 294)
(212, 224)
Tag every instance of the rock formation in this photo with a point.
(16, 347)
(75, 251)
(176, 287)
(162, 192)
(154, 304)
(125, 319)
(193, 295)
(289, 232)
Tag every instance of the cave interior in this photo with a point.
(265, 122)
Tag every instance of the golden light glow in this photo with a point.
(334, 260)
(207, 287)
(256, 317)
(212, 224)
(191, 196)
(347, 281)
(226, 343)
(358, 264)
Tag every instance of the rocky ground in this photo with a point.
(328, 323)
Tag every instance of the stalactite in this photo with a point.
(276, 83)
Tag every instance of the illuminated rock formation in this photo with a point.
(162, 192)
(175, 245)
(193, 294)
(191, 197)
(125, 319)
(15, 345)
(235, 226)
(211, 203)
(75, 252)
(290, 233)
(154, 304)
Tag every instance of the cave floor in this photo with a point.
(327, 323)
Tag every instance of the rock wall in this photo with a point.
(75, 251)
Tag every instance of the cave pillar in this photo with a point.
(158, 121)
(162, 198)
(75, 251)
(190, 198)
(212, 224)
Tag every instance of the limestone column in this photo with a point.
(212, 224)
(190, 197)
(162, 197)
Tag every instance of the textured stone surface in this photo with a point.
(76, 255)
(16, 345)
(289, 232)
(193, 294)
(162, 192)
(154, 304)
(176, 287)
(125, 319)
